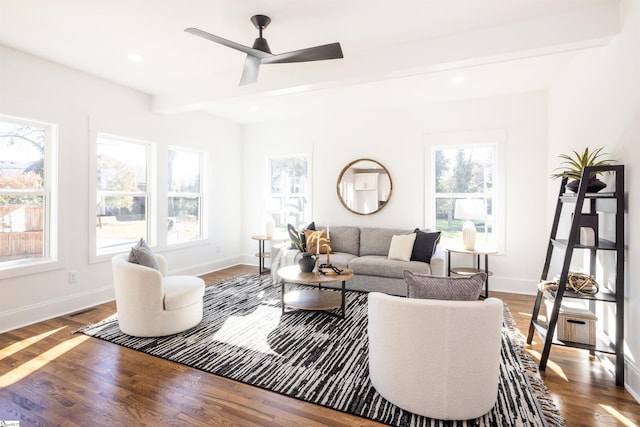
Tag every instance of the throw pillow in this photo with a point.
(141, 254)
(425, 245)
(311, 237)
(296, 238)
(401, 246)
(311, 226)
(444, 288)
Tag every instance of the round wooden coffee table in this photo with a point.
(320, 299)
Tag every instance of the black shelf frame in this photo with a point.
(586, 205)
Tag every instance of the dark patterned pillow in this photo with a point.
(141, 254)
(444, 288)
(296, 238)
(425, 245)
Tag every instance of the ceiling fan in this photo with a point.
(260, 53)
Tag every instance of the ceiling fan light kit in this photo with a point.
(260, 52)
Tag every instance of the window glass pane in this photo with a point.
(451, 213)
(464, 170)
(121, 221)
(184, 172)
(464, 190)
(22, 158)
(184, 218)
(288, 197)
(121, 199)
(21, 227)
(288, 175)
(184, 201)
(122, 166)
(23, 191)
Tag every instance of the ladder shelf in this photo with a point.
(587, 211)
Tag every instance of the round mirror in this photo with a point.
(364, 186)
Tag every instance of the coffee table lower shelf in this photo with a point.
(313, 299)
(311, 292)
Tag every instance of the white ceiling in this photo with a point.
(397, 52)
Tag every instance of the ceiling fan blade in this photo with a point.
(317, 53)
(237, 46)
(250, 71)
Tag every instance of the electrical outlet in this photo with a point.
(73, 276)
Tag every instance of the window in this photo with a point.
(27, 192)
(465, 187)
(185, 195)
(122, 193)
(288, 190)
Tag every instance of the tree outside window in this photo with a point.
(288, 190)
(122, 195)
(464, 190)
(185, 195)
(25, 191)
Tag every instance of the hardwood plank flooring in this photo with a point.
(49, 376)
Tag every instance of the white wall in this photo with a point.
(37, 89)
(396, 139)
(597, 103)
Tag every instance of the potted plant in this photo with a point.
(572, 167)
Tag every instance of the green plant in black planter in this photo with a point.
(573, 166)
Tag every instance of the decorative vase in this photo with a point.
(307, 262)
(593, 186)
(269, 226)
(469, 235)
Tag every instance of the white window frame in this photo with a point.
(305, 195)
(468, 139)
(200, 195)
(150, 201)
(50, 259)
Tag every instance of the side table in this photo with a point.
(262, 254)
(468, 271)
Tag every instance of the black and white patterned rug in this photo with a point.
(319, 358)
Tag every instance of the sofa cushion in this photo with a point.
(444, 288)
(339, 259)
(376, 241)
(401, 246)
(425, 245)
(141, 254)
(344, 239)
(182, 291)
(380, 265)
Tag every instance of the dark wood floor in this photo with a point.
(49, 376)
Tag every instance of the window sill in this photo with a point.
(27, 268)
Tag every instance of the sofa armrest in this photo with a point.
(438, 261)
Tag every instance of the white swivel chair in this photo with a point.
(435, 358)
(152, 304)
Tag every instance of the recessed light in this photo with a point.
(458, 79)
(135, 57)
(254, 108)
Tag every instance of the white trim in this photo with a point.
(34, 313)
(469, 138)
(202, 213)
(50, 194)
(151, 204)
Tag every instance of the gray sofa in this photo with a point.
(365, 251)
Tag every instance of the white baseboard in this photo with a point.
(34, 313)
(207, 267)
(512, 285)
(632, 380)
